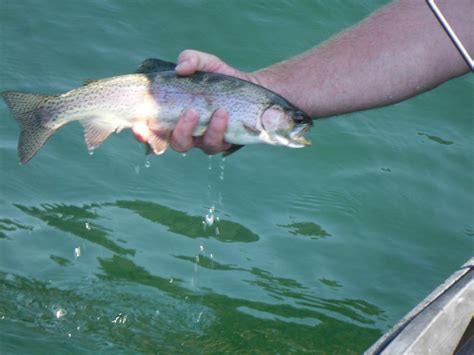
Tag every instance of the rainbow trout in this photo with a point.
(154, 96)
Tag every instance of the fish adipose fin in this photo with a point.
(33, 134)
(152, 65)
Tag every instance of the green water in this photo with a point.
(319, 250)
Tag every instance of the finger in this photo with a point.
(182, 137)
(190, 61)
(213, 140)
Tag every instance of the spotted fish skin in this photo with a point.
(155, 96)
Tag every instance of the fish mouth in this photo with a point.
(296, 135)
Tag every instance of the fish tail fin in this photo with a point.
(33, 134)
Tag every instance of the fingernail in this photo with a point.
(181, 65)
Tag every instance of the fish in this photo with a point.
(155, 96)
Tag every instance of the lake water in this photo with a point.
(272, 250)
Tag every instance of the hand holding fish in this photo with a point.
(212, 141)
(182, 139)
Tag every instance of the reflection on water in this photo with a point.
(75, 220)
(189, 226)
(309, 229)
(330, 283)
(238, 316)
(208, 263)
(7, 225)
(436, 139)
(101, 317)
(60, 260)
(294, 318)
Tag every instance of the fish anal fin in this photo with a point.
(158, 142)
(153, 65)
(232, 150)
(95, 134)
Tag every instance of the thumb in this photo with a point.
(190, 61)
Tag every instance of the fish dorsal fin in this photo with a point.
(89, 81)
(152, 65)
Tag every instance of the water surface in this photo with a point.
(274, 250)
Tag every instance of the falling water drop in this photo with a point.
(199, 317)
(59, 312)
(91, 151)
(88, 226)
(210, 217)
(222, 167)
(147, 164)
(209, 167)
(77, 252)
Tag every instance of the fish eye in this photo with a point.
(299, 116)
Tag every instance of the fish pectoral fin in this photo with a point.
(152, 65)
(158, 142)
(232, 150)
(95, 134)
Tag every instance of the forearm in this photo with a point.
(398, 52)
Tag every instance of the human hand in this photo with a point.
(182, 139)
(212, 142)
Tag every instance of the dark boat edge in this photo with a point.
(441, 323)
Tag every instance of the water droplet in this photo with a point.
(209, 167)
(183, 155)
(59, 312)
(210, 217)
(88, 226)
(199, 317)
(222, 167)
(69, 335)
(91, 151)
(77, 252)
(137, 169)
(147, 164)
(211, 256)
(201, 248)
(171, 280)
(120, 319)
